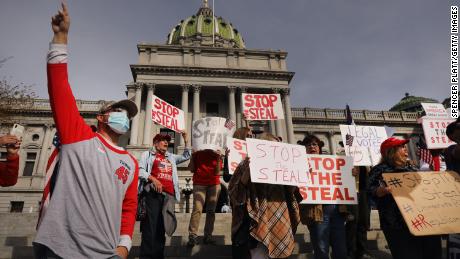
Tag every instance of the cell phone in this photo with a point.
(17, 131)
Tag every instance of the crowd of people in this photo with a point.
(100, 188)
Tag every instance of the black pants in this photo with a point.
(152, 228)
(403, 245)
(357, 229)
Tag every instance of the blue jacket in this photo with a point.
(145, 168)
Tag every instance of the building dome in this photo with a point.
(196, 30)
(411, 103)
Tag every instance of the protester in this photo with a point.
(10, 168)
(93, 207)
(358, 221)
(324, 221)
(452, 153)
(264, 216)
(159, 185)
(205, 166)
(402, 244)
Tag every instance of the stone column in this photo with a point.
(272, 128)
(135, 122)
(184, 107)
(196, 102)
(231, 103)
(242, 121)
(288, 116)
(47, 139)
(148, 115)
(278, 126)
(330, 138)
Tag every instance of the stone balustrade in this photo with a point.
(358, 115)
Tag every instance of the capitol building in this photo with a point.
(203, 71)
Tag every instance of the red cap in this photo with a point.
(159, 137)
(392, 142)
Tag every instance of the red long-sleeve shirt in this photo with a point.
(9, 171)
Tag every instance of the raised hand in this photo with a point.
(60, 24)
(8, 140)
(12, 149)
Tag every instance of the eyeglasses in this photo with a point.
(313, 144)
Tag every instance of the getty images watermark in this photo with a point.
(454, 61)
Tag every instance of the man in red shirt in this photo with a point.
(9, 169)
(205, 166)
(159, 185)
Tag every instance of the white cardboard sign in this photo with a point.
(435, 133)
(237, 153)
(435, 110)
(167, 115)
(363, 143)
(263, 107)
(329, 180)
(211, 133)
(277, 163)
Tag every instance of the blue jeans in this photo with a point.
(329, 232)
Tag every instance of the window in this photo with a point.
(212, 109)
(16, 206)
(30, 164)
(35, 137)
(3, 156)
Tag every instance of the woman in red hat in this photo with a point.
(402, 244)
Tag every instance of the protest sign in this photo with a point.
(237, 153)
(435, 133)
(167, 115)
(435, 111)
(263, 107)
(211, 133)
(329, 181)
(277, 163)
(429, 201)
(363, 143)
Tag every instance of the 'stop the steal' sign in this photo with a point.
(167, 115)
(435, 133)
(277, 163)
(363, 143)
(211, 133)
(429, 201)
(262, 107)
(329, 181)
(237, 152)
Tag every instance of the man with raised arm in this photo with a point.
(92, 209)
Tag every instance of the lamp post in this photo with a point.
(187, 191)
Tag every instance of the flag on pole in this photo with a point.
(350, 120)
(50, 176)
(424, 153)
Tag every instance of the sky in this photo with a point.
(366, 53)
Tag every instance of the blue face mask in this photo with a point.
(118, 122)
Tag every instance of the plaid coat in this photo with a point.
(273, 210)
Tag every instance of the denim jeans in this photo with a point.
(329, 232)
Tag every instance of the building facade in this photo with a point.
(203, 68)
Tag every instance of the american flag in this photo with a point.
(51, 169)
(349, 140)
(229, 124)
(424, 153)
(350, 120)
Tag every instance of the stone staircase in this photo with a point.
(17, 232)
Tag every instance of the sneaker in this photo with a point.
(208, 240)
(192, 241)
